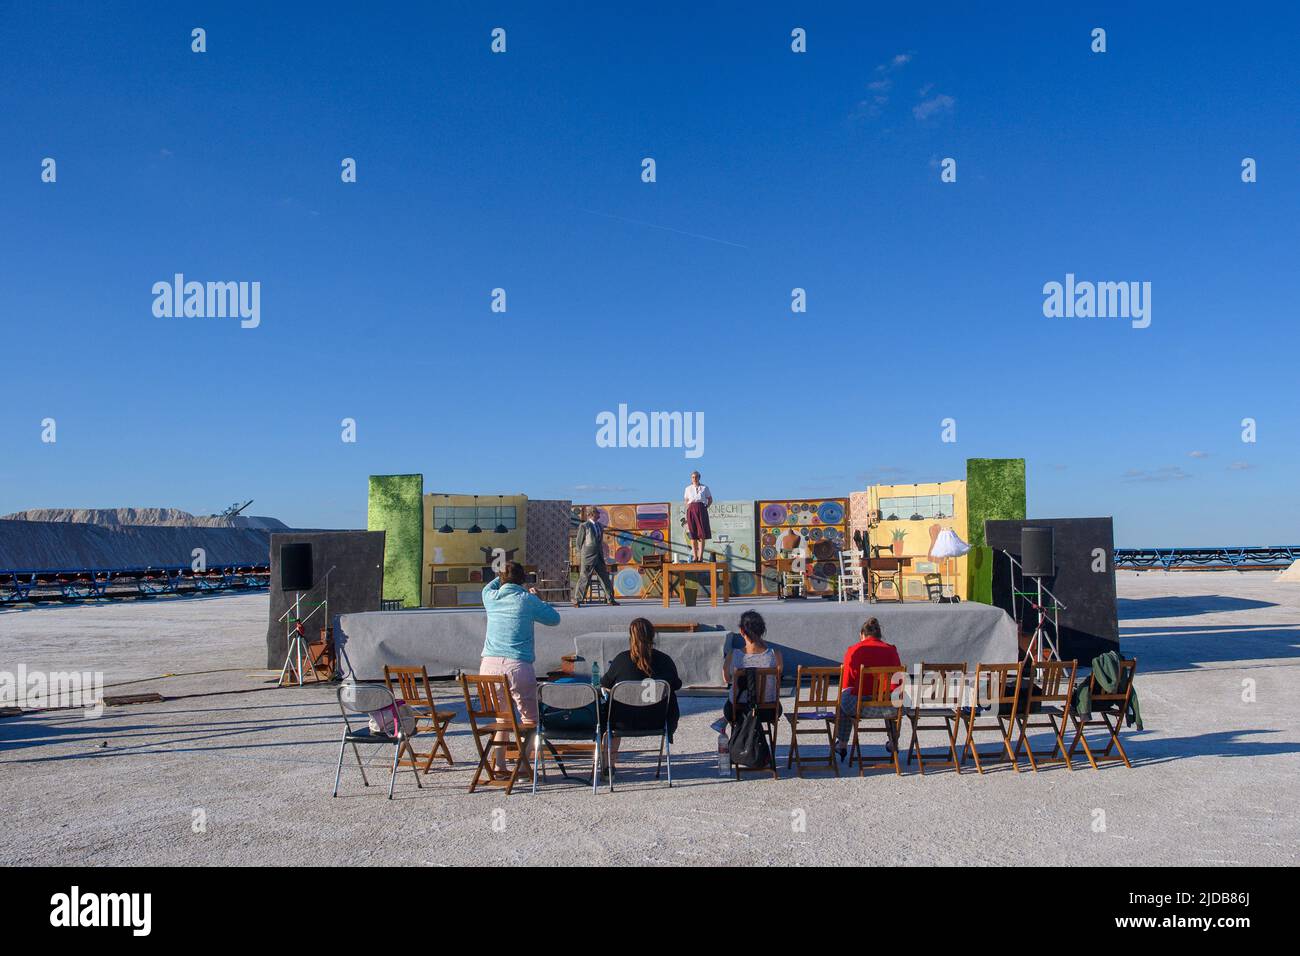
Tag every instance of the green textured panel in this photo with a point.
(995, 490)
(396, 509)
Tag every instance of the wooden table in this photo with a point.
(890, 568)
(712, 568)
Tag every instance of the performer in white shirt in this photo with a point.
(697, 498)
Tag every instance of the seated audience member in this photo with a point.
(755, 653)
(870, 651)
(639, 662)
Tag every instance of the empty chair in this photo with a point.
(1049, 697)
(413, 688)
(813, 714)
(1108, 706)
(625, 699)
(569, 723)
(852, 578)
(993, 707)
(362, 700)
(497, 731)
(935, 704)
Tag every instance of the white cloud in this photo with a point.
(1240, 466)
(1167, 473)
(934, 106)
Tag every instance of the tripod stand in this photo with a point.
(298, 649)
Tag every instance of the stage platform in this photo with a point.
(447, 640)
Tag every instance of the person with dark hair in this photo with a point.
(756, 653)
(641, 661)
(590, 545)
(870, 651)
(509, 647)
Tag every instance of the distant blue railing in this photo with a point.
(1243, 558)
(70, 584)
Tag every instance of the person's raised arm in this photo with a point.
(492, 587)
(543, 613)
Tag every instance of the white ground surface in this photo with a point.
(1215, 776)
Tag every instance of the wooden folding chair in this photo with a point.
(769, 714)
(413, 687)
(937, 696)
(814, 714)
(1051, 695)
(491, 713)
(1105, 706)
(876, 702)
(997, 694)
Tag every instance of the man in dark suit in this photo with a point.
(590, 546)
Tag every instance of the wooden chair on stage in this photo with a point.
(876, 702)
(769, 714)
(936, 696)
(496, 728)
(814, 714)
(1050, 695)
(1106, 706)
(413, 687)
(993, 707)
(791, 580)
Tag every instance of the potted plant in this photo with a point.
(898, 535)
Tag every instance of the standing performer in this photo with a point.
(698, 498)
(590, 546)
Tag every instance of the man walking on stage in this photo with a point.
(591, 553)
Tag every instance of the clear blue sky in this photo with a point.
(775, 170)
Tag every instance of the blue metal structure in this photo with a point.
(1274, 556)
(68, 584)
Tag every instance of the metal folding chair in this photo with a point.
(366, 699)
(560, 699)
(630, 695)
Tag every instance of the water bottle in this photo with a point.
(724, 756)
(595, 673)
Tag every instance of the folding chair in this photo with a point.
(875, 702)
(365, 699)
(937, 696)
(769, 713)
(652, 575)
(1050, 695)
(814, 714)
(1105, 706)
(566, 700)
(628, 695)
(852, 578)
(413, 687)
(997, 697)
(491, 712)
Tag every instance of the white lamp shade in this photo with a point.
(948, 545)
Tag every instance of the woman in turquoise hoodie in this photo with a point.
(509, 649)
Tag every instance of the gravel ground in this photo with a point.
(1214, 780)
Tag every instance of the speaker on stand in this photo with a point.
(296, 576)
(1038, 561)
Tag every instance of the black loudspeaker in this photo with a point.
(295, 567)
(1036, 557)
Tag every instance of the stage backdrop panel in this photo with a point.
(394, 508)
(357, 558)
(995, 491)
(1090, 621)
(734, 541)
(634, 531)
(817, 526)
(457, 564)
(546, 539)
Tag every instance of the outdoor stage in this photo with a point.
(813, 632)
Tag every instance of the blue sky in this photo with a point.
(775, 170)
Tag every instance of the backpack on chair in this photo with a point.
(749, 746)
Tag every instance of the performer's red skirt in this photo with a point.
(697, 521)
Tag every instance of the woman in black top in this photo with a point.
(638, 662)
